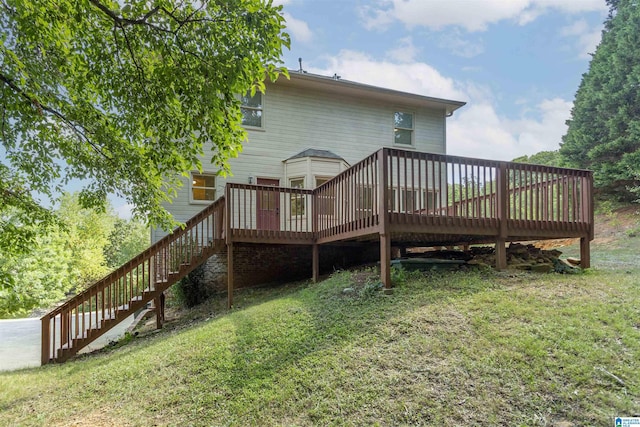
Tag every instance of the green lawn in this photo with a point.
(465, 348)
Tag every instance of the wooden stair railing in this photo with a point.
(89, 314)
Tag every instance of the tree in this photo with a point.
(37, 278)
(128, 239)
(604, 129)
(82, 246)
(123, 95)
(86, 232)
(545, 158)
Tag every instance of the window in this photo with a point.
(326, 199)
(408, 200)
(297, 200)
(403, 128)
(252, 110)
(364, 198)
(203, 187)
(320, 181)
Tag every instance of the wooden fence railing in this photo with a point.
(390, 191)
(348, 204)
(261, 213)
(92, 312)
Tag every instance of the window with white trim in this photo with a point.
(297, 200)
(203, 187)
(327, 198)
(403, 128)
(252, 110)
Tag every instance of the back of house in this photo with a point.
(309, 128)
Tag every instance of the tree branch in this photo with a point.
(79, 130)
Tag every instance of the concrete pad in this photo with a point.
(20, 342)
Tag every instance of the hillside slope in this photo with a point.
(464, 348)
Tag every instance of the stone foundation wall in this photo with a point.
(262, 264)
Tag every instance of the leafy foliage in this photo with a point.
(127, 239)
(81, 247)
(545, 158)
(36, 278)
(604, 130)
(123, 95)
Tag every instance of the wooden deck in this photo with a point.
(394, 197)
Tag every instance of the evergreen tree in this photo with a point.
(604, 130)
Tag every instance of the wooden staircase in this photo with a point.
(88, 315)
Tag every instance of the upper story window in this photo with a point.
(203, 187)
(403, 128)
(252, 110)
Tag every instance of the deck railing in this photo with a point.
(89, 314)
(262, 213)
(348, 204)
(391, 191)
(416, 191)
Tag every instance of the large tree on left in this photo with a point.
(122, 95)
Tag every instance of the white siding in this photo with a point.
(296, 119)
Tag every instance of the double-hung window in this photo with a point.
(203, 187)
(252, 109)
(403, 128)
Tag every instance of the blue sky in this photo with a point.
(517, 63)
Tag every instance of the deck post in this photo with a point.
(229, 274)
(64, 328)
(45, 350)
(585, 252)
(383, 214)
(315, 263)
(501, 254)
(503, 216)
(385, 260)
(158, 303)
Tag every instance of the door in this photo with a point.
(268, 206)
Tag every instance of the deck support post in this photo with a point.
(385, 260)
(64, 328)
(501, 254)
(383, 215)
(45, 344)
(585, 252)
(158, 303)
(315, 263)
(229, 274)
(503, 215)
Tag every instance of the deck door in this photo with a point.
(268, 206)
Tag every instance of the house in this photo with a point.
(334, 173)
(307, 129)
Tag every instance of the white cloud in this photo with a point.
(480, 132)
(472, 15)
(404, 52)
(454, 42)
(476, 130)
(298, 29)
(416, 77)
(585, 38)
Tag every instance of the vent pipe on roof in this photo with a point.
(300, 62)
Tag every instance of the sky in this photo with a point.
(516, 63)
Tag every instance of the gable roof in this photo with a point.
(312, 152)
(339, 86)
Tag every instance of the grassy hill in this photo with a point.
(464, 348)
